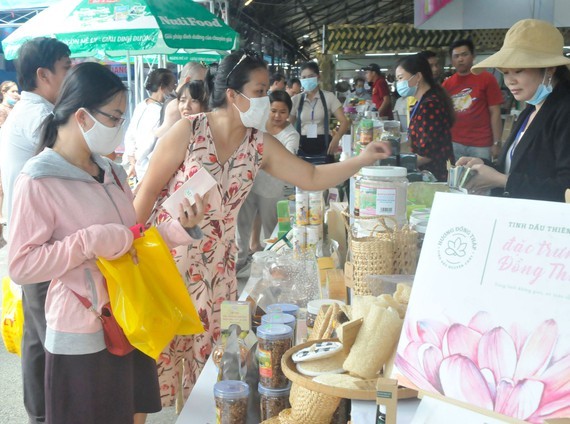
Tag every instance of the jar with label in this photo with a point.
(273, 401)
(381, 191)
(301, 207)
(366, 131)
(315, 207)
(231, 402)
(313, 308)
(273, 341)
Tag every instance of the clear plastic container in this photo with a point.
(366, 131)
(273, 341)
(381, 191)
(391, 134)
(273, 401)
(286, 308)
(231, 402)
(279, 318)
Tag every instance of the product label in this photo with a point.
(377, 201)
(264, 358)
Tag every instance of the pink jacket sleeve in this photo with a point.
(34, 256)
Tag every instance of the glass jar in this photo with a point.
(391, 134)
(231, 402)
(313, 308)
(381, 191)
(273, 341)
(366, 131)
(273, 401)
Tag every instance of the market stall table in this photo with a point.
(200, 407)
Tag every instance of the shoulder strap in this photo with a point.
(84, 301)
(116, 180)
(299, 110)
(327, 123)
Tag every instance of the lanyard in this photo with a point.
(520, 134)
(313, 109)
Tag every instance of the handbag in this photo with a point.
(115, 338)
(150, 300)
(12, 316)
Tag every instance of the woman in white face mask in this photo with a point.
(229, 143)
(311, 113)
(71, 206)
(535, 160)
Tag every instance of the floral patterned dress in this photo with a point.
(207, 266)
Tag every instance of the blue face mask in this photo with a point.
(11, 101)
(404, 88)
(542, 92)
(309, 84)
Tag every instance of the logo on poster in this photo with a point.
(456, 247)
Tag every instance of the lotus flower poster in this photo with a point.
(487, 322)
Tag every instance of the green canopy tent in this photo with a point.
(126, 28)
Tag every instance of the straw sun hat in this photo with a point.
(529, 43)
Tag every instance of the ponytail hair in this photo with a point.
(88, 85)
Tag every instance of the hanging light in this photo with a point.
(248, 2)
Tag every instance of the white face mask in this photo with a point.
(257, 114)
(101, 139)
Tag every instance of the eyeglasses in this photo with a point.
(115, 119)
(247, 54)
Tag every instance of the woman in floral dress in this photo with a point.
(228, 143)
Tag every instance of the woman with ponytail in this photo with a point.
(432, 117)
(71, 206)
(230, 144)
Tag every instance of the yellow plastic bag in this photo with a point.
(149, 299)
(12, 316)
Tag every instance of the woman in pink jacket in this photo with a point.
(71, 206)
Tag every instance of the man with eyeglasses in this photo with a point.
(42, 65)
(477, 102)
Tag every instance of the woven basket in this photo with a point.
(308, 406)
(387, 250)
(272, 420)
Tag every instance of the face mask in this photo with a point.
(542, 92)
(309, 84)
(360, 91)
(101, 139)
(11, 101)
(257, 114)
(404, 89)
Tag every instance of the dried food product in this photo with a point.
(273, 341)
(231, 402)
(273, 401)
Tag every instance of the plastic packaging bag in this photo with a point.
(12, 316)
(149, 299)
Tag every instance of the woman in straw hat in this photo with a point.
(535, 160)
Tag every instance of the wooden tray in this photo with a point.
(368, 391)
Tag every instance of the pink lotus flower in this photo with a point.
(484, 365)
